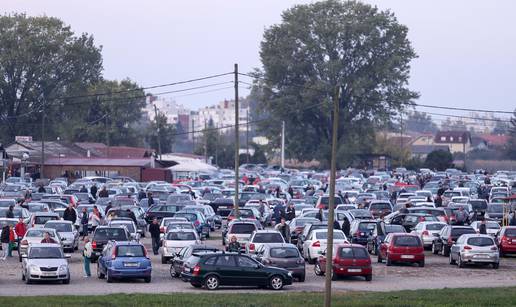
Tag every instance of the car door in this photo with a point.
(250, 272)
(383, 247)
(226, 268)
(442, 238)
(455, 249)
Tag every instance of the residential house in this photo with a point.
(457, 141)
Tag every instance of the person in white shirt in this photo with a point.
(86, 253)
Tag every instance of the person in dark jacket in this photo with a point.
(84, 222)
(482, 229)
(336, 225)
(4, 239)
(132, 216)
(279, 212)
(291, 212)
(94, 190)
(41, 189)
(234, 245)
(69, 214)
(10, 213)
(141, 195)
(284, 229)
(150, 199)
(103, 193)
(346, 227)
(319, 215)
(83, 189)
(155, 232)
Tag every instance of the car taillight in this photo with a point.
(25, 242)
(113, 255)
(94, 244)
(316, 244)
(251, 247)
(356, 234)
(425, 233)
(162, 229)
(196, 270)
(467, 247)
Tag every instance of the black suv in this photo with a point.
(104, 234)
(447, 237)
(230, 269)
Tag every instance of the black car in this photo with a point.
(104, 234)
(447, 237)
(177, 263)
(161, 211)
(379, 233)
(222, 206)
(229, 269)
(410, 220)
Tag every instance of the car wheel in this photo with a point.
(147, 279)
(318, 270)
(100, 275)
(172, 271)
(459, 262)
(109, 279)
(501, 254)
(76, 247)
(380, 260)
(388, 261)
(451, 259)
(163, 260)
(23, 277)
(446, 251)
(301, 278)
(369, 277)
(496, 265)
(211, 282)
(434, 249)
(276, 282)
(66, 281)
(421, 263)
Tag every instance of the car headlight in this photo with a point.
(33, 267)
(289, 274)
(63, 268)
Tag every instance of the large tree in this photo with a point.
(420, 122)
(511, 146)
(320, 46)
(41, 59)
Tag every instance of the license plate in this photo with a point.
(354, 270)
(131, 264)
(48, 274)
(407, 256)
(481, 256)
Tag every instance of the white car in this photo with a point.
(166, 220)
(38, 219)
(35, 235)
(175, 240)
(459, 199)
(260, 237)
(66, 230)
(492, 227)
(45, 262)
(426, 231)
(317, 241)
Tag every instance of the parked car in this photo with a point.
(260, 237)
(283, 255)
(67, 232)
(427, 231)
(380, 208)
(447, 237)
(506, 240)
(242, 230)
(128, 224)
(124, 260)
(35, 235)
(475, 248)
(214, 220)
(492, 227)
(297, 225)
(307, 230)
(348, 260)
(198, 221)
(317, 241)
(379, 233)
(161, 211)
(360, 230)
(104, 234)
(44, 262)
(178, 261)
(398, 247)
(175, 240)
(215, 270)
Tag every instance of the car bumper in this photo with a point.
(427, 240)
(297, 271)
(508, 248)
(48, 275)
(130, 273)
(170, 251)
(480, 257)
(407, 257)
(352, 270)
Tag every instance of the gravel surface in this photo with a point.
(436, 274)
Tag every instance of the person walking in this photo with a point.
(291, 212)
(20, 229)
(12, 240)
(104, 192)
(150, 199)
(234, 246)
(94, 190)
(70, 214)
(284, 229)
(10, 212)
(84, 222)
(4, 239)
(86, 256)
(279, 212)
(132, 216)
(155, 232)
(94, 218)
(320, 215)
(461, 216)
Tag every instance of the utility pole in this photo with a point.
(217, 147)
(401, 139)
(283, 145)
(193, 136)
(331, 204)
(157, 130)
(247, 133)
(205, 143)
(237, 145)
(107, 135)
(42, 168)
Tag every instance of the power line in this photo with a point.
(470, 117)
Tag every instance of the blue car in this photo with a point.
(198, 220)
(124, 260)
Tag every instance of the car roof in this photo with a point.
(266, 231)
(476, 235)
(350, 245)
(45, 214)
(133, 243)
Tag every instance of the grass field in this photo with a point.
(445, 297)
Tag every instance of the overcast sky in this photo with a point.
(467, 49)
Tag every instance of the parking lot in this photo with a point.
(436, 274)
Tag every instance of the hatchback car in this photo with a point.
(427, 231)
(348, 260)
(242, 230)
(398, 247)
(198, 220)
(475, 248)
(317, 241)
(45, 262)
(175, 240)
(260, 237)
(178, 261)
(379, 233)
(104, 234)
(228, 269)
(447, 236)
(124, 260)
(506, 240)
(66, 230)
(38, 219)
(283, 255)
(360, 230)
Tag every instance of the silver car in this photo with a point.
(69, 235)
(34, 236)
(475, 248)
(45, 262)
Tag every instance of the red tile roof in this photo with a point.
(495, 140)
(97, 162)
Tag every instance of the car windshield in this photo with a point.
(323, 235)
(171, 226)
(60, 227)
(284, 252)
(181, 236)
(129, 226)
(495, 208)
(189, 216)
(435, 226)
(360, 213)
(130, 251)
(45, 253)
(243, 228)
(325, 200)
(381, 206)
(117, 234)
(492, 225)
(406, 241)
(244, 213)
(267, 238)
(353, 252)
(480, 241)
(41, 220)
(394, 228)
(38, 233)
(510, 232)
(16, 211)
(172, 199)
(366, 226)
(37, 208)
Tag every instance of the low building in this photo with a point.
(457, 141)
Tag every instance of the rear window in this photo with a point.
(434, 226)
(104, 234)
(457, 232)
(181, 236)
(379, 206)
(480, 241)
(60, 227)
(244, 213)
(189, 216)
(324, 236)
(407, 241)
(353, 252)
(268, 238)
(326, 200)
(38, 233)
(243, 228)
(495, 208)
(130, 251)
(510, 232)
(40, 220)
(394, 228)
(284, 252)
(366, 226)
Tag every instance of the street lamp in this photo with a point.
(24, 159)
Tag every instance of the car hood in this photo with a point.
(67, 235)
(47, 262)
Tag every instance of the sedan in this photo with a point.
(475, 248)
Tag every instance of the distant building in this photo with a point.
(222, 115)
(457, 141)
(495, 141)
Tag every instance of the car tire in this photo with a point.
(172, 271)
(23, 277)
(100, 275)
(502, 254)
(460, 263)
(76, 248)
(434, 249)
(211, 282)
(163, 260)
(27, 280)
(388, 261)
(317, 269)
(301, 278)
(369, 277)
(421, 264)
(451, 260)
(147, 279)
(334, 276)
(66, 281)
(276, 282)
(109, 279)
(496, 265)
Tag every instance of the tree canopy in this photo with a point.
(320, 46)
(439, 160)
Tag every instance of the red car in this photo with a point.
(506, 240)
(402, 247)
(348, 260)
